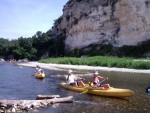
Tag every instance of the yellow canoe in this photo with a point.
(39, 75)
(109, 92)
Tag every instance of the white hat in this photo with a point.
(70, 71)
(95, 73)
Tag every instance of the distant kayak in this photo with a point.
(109, 92)
(39, 75)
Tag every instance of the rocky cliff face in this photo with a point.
(134, 19)
(116, 22)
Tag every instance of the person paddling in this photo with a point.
(39, 69)
(73, 80)
(96, 80)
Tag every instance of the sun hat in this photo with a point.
(70, 71)
(95, 73)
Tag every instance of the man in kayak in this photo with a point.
(73, 80)
(39, 69)
(96, 80)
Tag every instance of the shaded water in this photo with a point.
(18, 83)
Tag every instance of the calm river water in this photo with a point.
(18, 83)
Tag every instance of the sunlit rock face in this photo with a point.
(116, 22)
(134, 20)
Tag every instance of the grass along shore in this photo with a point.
(102, 61)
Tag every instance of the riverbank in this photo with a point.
(102, 61)
(63, 67)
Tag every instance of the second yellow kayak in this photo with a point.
(39, 75)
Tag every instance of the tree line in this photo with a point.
(33, 48)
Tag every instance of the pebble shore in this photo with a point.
(63, 67)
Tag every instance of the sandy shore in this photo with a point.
(63, 67)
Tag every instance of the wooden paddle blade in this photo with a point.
(84, 92)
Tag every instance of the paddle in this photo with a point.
(90, 89)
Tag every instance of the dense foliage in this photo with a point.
(33, 47)
(137, 51)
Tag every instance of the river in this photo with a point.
(17, 82)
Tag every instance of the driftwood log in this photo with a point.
(25, 105)
(41, 97)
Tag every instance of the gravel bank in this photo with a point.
(62, 67)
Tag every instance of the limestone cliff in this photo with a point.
(116, 22)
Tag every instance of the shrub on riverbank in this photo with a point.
(101, 61)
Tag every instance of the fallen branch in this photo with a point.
(25, 105)
(41, 97)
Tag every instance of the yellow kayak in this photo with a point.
(109, 92)
(39, 75)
